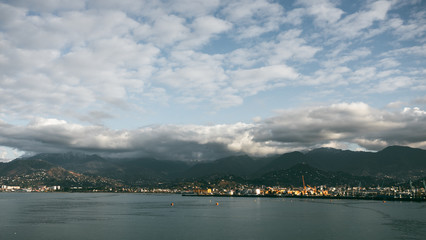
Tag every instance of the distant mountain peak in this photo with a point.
(396, 148)
(326, 150)
(294, 153)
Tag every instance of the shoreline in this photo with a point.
(377, 198)
(372, 198)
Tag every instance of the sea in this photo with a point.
(63, 216)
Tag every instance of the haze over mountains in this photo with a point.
(323, 166)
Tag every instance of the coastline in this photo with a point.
(374, 198)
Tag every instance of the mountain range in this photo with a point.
(322, 166)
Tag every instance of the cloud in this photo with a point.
(395, 105)
(203, 30)
(183, 142)
(254, 80)
(341, 68)
(95, 117)
(343, 25)
(286, 46)
(346, 68)
(327, 76)
(167, 30)
(8, 154)
(66, 62)
(412, 29)
(49, 6)
(194, 77)
(364, 74)
(295, 16)
(344, 124)
(349, 57)
(353, 25)
(194, 8)
(324, 11)
(254, 17)
(289, 46)
(391, 84)
(420, 100)
(388, 63)
(419, 50)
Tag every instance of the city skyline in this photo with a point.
(199, 80)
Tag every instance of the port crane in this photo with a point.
(304, 192)
(312, 190)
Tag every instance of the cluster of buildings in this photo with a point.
(320, 191)
(7, 188)
(385, 193)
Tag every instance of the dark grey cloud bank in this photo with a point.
(357, 123)
(339, 125)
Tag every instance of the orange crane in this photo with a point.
(305, 191)
(314, 189)
(304, 186)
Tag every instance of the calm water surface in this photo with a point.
(146, 216)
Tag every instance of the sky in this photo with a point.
(200, 80)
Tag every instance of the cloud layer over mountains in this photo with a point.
(332, 126)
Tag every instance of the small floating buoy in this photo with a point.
(172, 204)
(217, 204)
(384, 201)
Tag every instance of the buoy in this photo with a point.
(217, 204)
(384, 201)
(172, 204)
